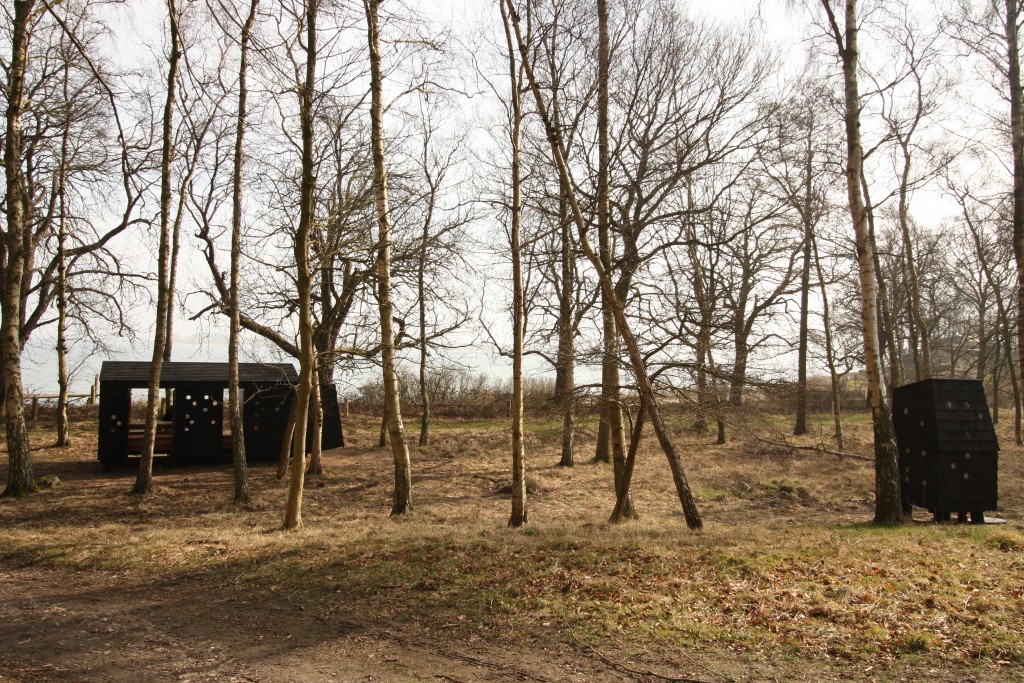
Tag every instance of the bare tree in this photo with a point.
(303, 276)
(690, 511)
(516, 77)
(888, 509)
(20, 481)
(396, 431)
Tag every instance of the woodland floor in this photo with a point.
(786, 582)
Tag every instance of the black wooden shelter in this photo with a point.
(948, 449)
(192, 430)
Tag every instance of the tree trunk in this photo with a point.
(285, 457)
(144, 479)
(304, 279)
(996, 381)
(623, 505)
(610, 360)
(1017, 140)
(238, 458)
(897, 374)
(566, 384)
(611, 388)
(421, 290)
(805, 290)
(63, 434)
(690, 511)
(20, 480)
(924, 366)
(830, 358)
(316, 463)
(396, 431)
(519, 512)
(888, 508)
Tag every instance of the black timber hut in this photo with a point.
(948, 451)
(193, 428)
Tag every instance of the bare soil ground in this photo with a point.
(786, 582)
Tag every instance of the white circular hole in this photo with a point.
(952, 465)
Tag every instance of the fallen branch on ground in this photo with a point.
(817, 449)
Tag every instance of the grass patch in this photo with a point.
(786, 571)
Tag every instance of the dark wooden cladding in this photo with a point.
(949, 453)
(193, 429)
(265, 420)
(136, 373)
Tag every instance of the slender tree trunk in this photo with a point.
(623, 505)
(304, 279)
(144, 479)
(610, 385)
(610, 360)
(924, 367)
(63, 432)
(805, 290)
(20, 480)
(897, 373)
(238, 458)
(650, 402)
(566, 383)
(983, 336)
(888, 507)
(396, 431)
(316, 463)
(421, 289)
(830, 357)
(285, 457)
(519, 514)
(996, 379)
(382, 441)
(1017, 140)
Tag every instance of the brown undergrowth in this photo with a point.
(787, 578)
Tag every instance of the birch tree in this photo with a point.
(888, 508)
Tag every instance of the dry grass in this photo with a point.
(785, 575)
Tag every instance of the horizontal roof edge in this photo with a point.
(178, 372)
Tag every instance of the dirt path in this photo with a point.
(68, 626)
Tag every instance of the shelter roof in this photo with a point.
(174, 372)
